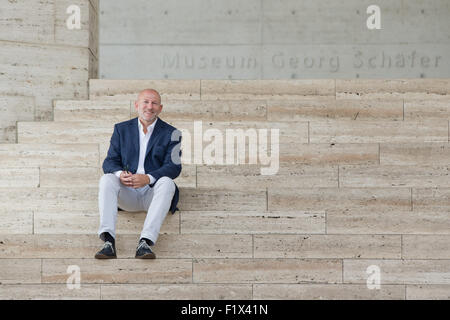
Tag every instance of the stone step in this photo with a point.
(327, 292)
(258, 177)
(305, 109)
(129, 89)
(80, 223)
(117, 111)
(393, 88)
(351, 246)
(26, 155)
(290, 175)
(330, 108)
(84, 199)
(346, 198)
(213, 89)
(387, 221)
(186, 291)
(427, 109)
(399, 271)
(84, 246)
(100, 132)
(343, 131)
(429, 153)
(425, 176)
(224, 291)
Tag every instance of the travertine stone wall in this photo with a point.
(41, 59)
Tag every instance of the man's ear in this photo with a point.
(136, 105)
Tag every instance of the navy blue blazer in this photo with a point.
(124, 151)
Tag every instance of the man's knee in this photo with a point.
(109, 180)
(165, 183)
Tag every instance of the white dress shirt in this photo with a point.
(144, 138)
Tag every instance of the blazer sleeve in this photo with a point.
(113, 160)
(170, 168)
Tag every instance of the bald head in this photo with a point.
(147, 92)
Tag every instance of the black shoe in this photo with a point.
(107, 252)
(143, 251)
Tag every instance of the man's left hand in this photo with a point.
(139, 180)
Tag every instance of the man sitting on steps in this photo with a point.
(139, 172)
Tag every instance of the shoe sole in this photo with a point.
(103, 256)
(146, 256)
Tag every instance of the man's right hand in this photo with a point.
(125, 178)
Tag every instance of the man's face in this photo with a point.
(148, 105)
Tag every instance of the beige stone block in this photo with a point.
(18, 271)
(345, 109)
(53, 245)
(187, 177)
(203, 246)
(206, 199)
(431, 199)
(426, 246)
(399, 271)
(330, 153)
(13, 109)
(328, 246)
(19, 177)
(266, 89)
(405, 154)
(250, 176)
(87, 35)
(64, 132)
(392, 88)
(58, 155)
(326, 292)
(228, 110)
(27, 21)
(338, 198)
(267, 271)
(366, 176)
(106, 111)
(427, 109)
(342, 131)
(45, 72)
(428, 292)
(12, 222)
(385, 221)
(177, 292)
(67, 177)
(119, 270)
(82, 223)
(129, 89)
(249, 222)
(58, 199)
(49, 292)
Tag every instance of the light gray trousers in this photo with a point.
(156, 201)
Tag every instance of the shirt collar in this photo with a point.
(149, 128)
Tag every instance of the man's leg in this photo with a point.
(111, 193)
(157, 203)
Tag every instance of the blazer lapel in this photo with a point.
(156, 132)
(135, 136)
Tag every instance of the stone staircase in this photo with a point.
(363, 180)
